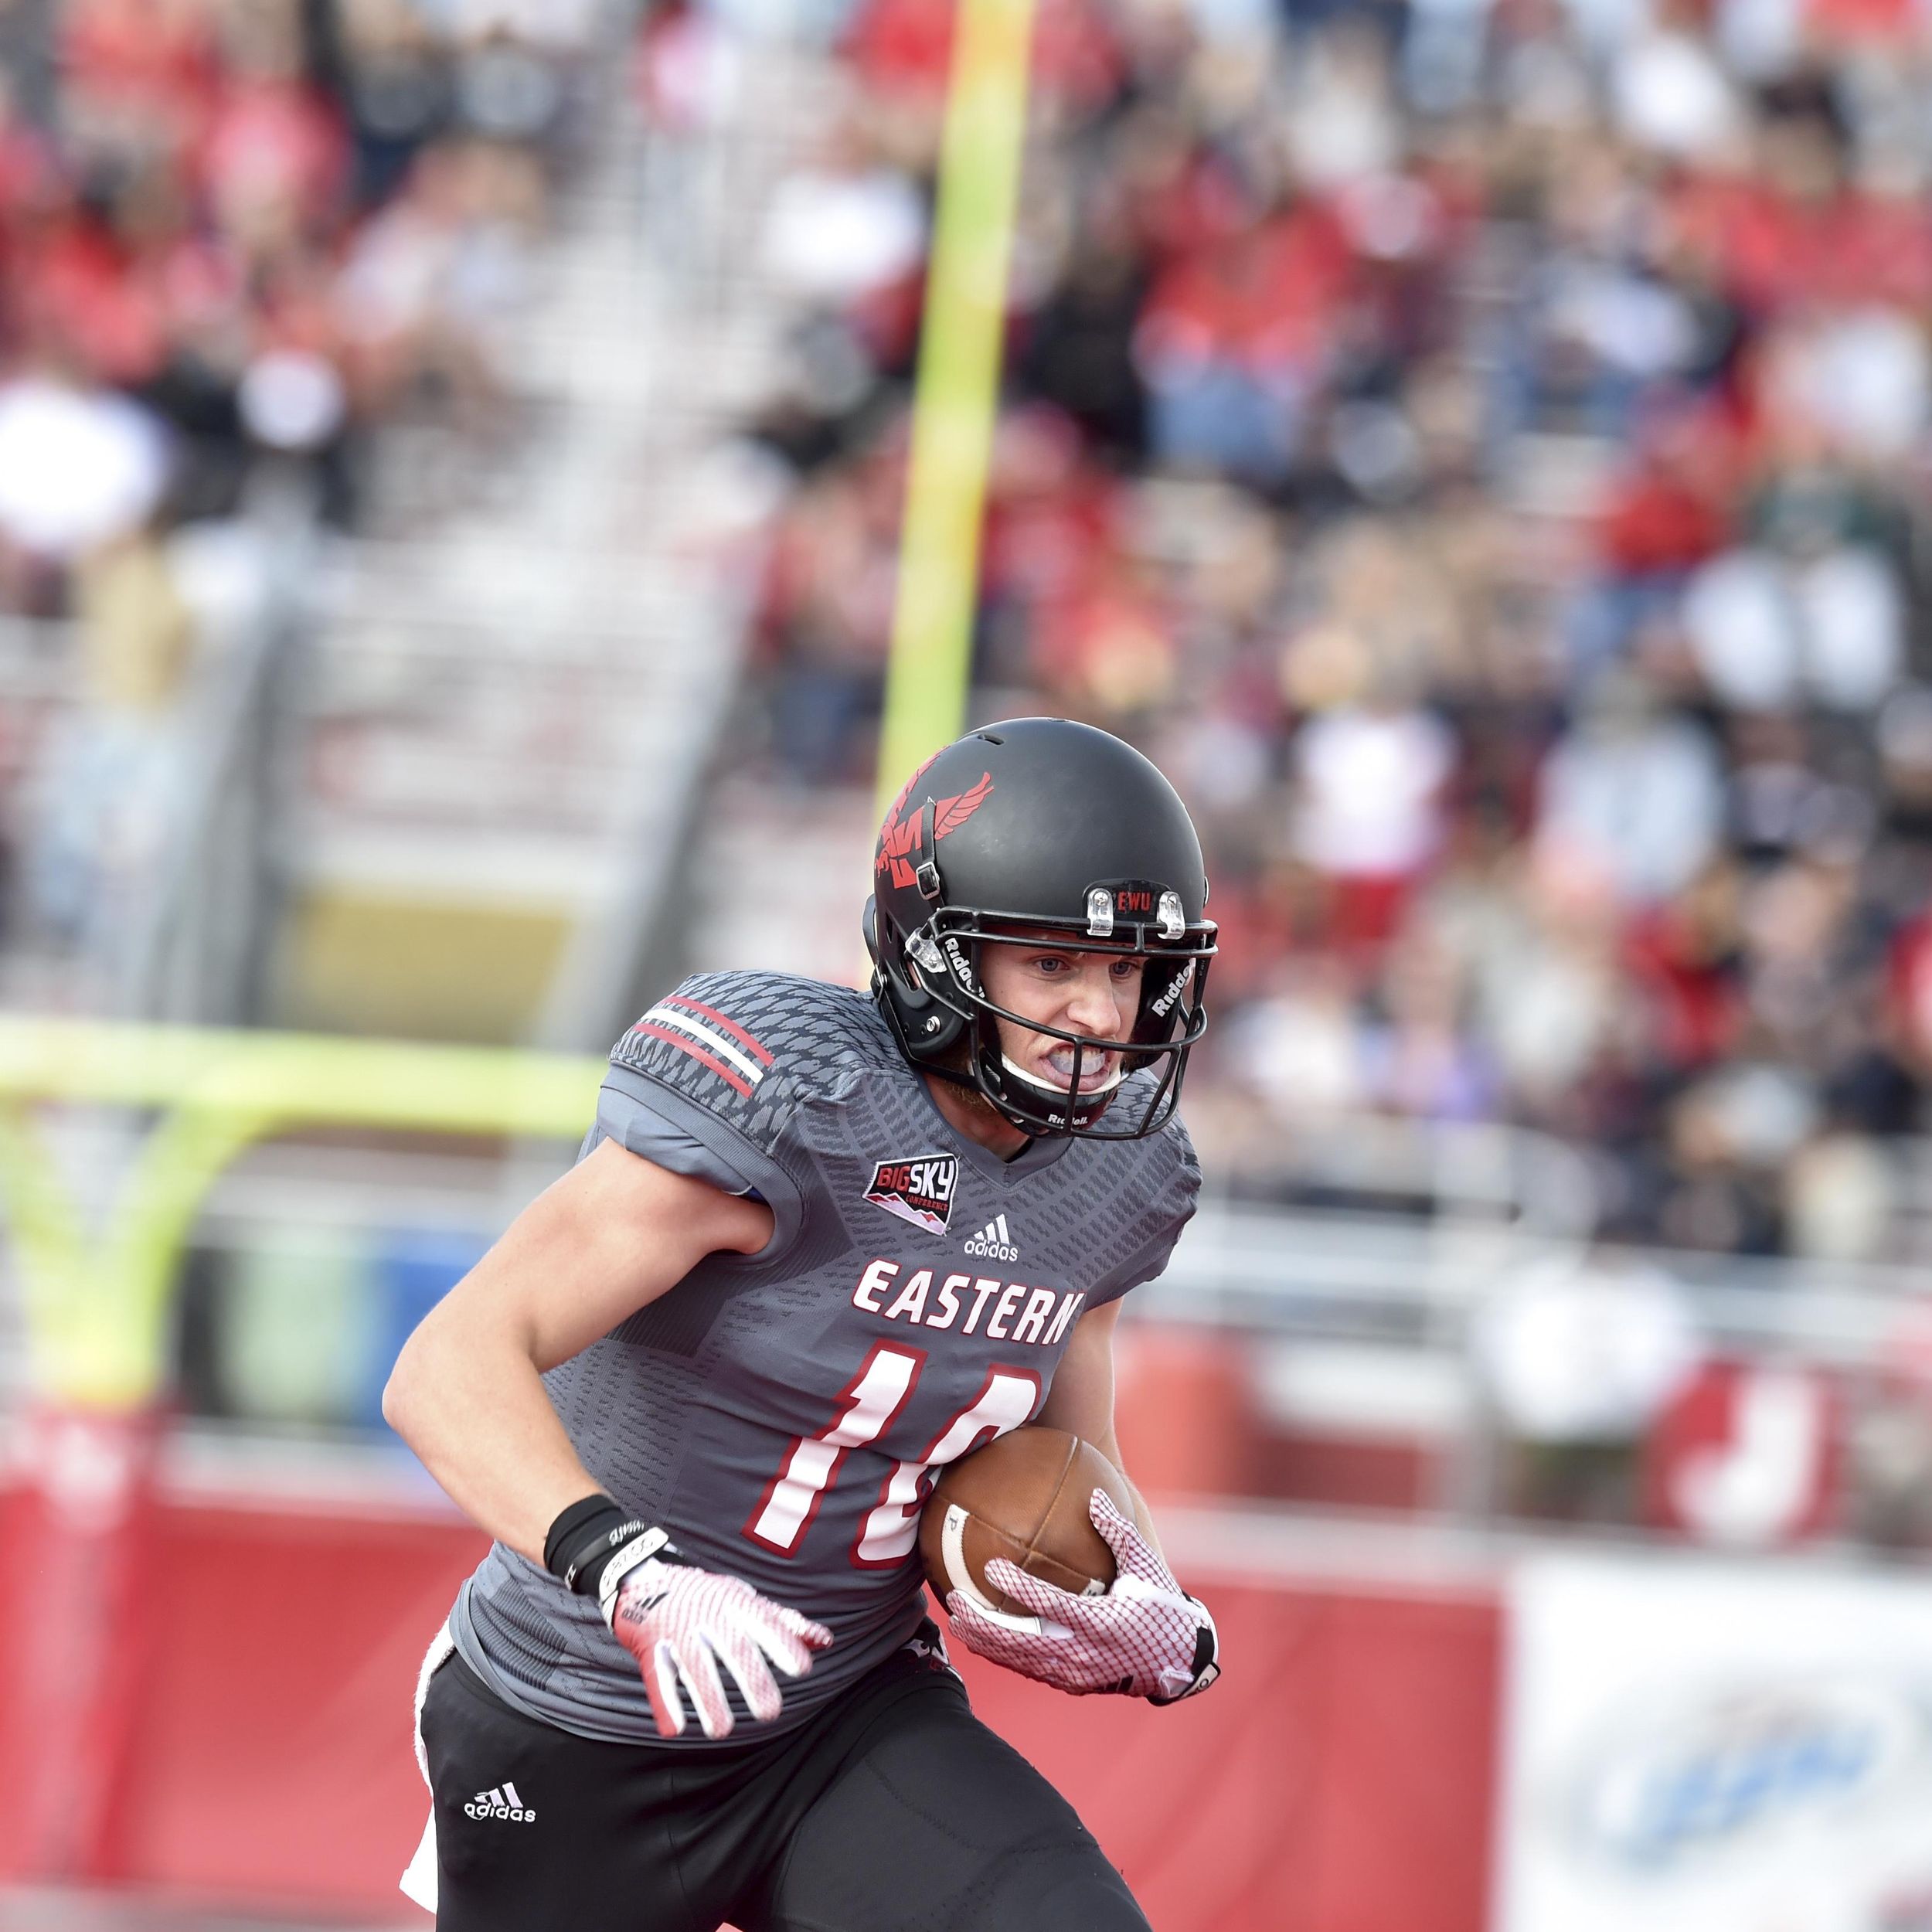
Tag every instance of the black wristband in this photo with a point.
(594, 1524)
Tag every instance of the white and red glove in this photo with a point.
(1145, 1638)
(680, 1623)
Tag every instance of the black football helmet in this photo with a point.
(1041, 826)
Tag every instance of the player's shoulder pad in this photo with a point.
(750, 1047)
(1152, 1189)
(1165, 1160)
(1181, 1145)
(1173, 1169)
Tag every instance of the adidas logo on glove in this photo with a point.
(992, 1243)
(502, 1802)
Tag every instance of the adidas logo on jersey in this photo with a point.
(992, 1243)
(502, 1802)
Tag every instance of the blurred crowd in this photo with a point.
(233, 227)
(1482, 451)
(236, 237)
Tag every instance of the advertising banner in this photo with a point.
(1694, 1746)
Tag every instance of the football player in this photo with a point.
(817, 1245)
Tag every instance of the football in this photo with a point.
(1025, 1497)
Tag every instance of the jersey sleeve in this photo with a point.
(1172, 1193)
(630, 1112)
(725, 1062)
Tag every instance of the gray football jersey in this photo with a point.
(783, 1414)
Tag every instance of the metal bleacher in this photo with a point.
(507, 711)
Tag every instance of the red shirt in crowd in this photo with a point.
(1265, 297)
(901, 47)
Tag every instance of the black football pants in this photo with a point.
(895, 1810)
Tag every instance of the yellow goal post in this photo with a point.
(96, 1305)
(956, 395)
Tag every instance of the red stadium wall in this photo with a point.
(1340, 1781)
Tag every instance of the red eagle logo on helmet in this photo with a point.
(896, 839)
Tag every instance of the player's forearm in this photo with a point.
(467, 1394)
(476, 1413)
(1142, 1516)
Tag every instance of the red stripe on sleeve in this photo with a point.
(731, 1026)
(696, 1052)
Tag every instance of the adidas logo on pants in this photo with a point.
(502, 1802)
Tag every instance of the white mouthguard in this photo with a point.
(1047, 1087)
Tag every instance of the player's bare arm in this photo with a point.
(607, 1239)
(1081, 1399)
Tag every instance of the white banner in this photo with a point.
(1694, 1746)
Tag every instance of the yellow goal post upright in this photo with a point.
(955, 397)
(98, 1308)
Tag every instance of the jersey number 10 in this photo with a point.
(867, 1407)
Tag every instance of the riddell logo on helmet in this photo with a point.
(962, 966)
(900, 834)
(1164, 1005)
